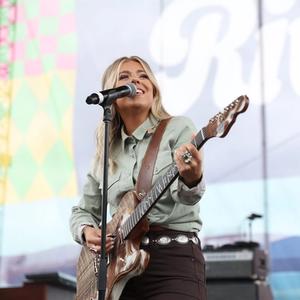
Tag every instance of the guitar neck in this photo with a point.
(160, 186)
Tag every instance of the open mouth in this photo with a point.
(139, 91)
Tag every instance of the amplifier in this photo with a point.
(235, 263)
(238, 290)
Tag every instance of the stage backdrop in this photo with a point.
(205, 54)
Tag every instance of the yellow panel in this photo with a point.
(67, 131)
(68, 78)
(40, 85)
(16, 139)
(39, 189)
(41, 136)
(70, 189)
(11, 195)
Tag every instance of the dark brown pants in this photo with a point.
(175, 272)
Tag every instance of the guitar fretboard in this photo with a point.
(160, 186)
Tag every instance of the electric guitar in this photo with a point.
(126, 259)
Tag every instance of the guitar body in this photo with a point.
(126, 260)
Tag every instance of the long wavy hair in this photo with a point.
(109, 80)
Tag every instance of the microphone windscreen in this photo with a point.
(133, 89)
(92, 99)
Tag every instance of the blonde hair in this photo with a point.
(109, 80)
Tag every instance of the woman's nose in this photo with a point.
(135, 80)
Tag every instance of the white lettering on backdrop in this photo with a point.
(223, 35)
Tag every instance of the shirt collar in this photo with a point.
(145, 129)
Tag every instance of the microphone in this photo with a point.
(254, 216)
(107, 97)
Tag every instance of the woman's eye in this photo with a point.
(145, 76)
(123, 76)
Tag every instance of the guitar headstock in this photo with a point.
(221, 123)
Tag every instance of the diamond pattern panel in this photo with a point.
(42, 103)
(22, 171)
(24, 107)
(57, 176)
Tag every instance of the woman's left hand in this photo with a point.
(189, 163)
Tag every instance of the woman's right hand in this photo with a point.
(93, 239)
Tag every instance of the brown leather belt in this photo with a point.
(163, 236)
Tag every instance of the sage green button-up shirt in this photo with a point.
(177, 209)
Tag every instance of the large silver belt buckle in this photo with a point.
(163, 240)
(182, 239)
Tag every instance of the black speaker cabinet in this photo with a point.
(235, 264)
(238, 290)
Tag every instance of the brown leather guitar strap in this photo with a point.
(144, 180)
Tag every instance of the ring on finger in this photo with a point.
(93, 249)
(187, 157)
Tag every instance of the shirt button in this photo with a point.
(131, 140)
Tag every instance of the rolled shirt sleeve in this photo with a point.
(190, 196)
(87, 212)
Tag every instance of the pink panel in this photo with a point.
(21, 14)
(4, 2)
(33, 27)
(67, 23)
(33, 67)
(49, 8)
(66, 61)
(3, 34)
(48, 44)
(19, 50)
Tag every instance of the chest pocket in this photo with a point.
(118, 185)
(113, 186)
(112, 180)
(163, 162)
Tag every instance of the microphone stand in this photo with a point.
(250, 228)
(102, 274)
(106, 100)
(251, 218)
